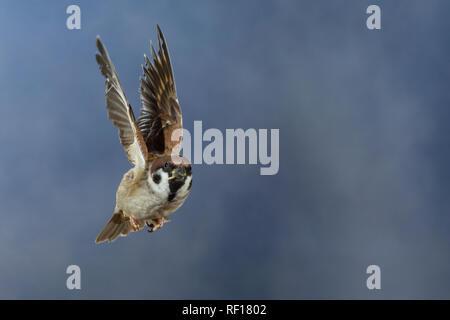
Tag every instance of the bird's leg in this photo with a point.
(157, 223)
(134, 224)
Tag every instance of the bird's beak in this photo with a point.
(179, 172)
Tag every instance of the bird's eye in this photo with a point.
(166, 165)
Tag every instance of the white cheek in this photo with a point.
(161, 189)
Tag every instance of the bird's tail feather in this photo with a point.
(118, 225)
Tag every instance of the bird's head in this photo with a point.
(171, 175)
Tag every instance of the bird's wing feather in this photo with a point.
(120, 111)
(160, 121)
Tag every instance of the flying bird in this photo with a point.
(161, 179)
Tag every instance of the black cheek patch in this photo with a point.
(190, 185)
(174, 186)
(156, 178)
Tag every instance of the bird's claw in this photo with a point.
(134, 224)
(157, 224)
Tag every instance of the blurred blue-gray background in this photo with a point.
(364, 150)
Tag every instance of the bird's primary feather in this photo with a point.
(160, 121)
(120, 111)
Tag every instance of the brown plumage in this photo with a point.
(160, 180)
(160, 113)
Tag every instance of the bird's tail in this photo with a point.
(118, 225)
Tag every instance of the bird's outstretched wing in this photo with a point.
(120, 111)
(160, 121)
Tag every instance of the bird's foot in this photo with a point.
(134, 224)
(157, 224)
